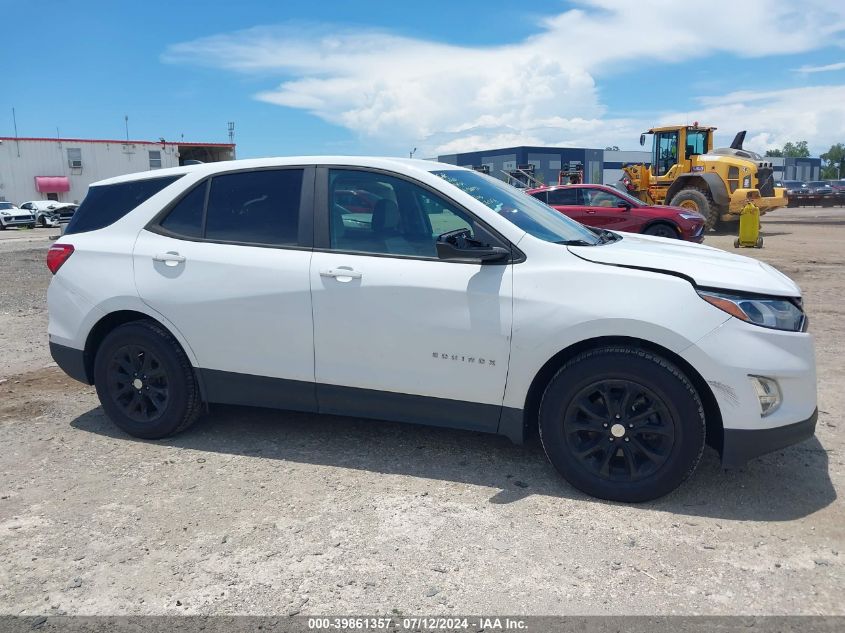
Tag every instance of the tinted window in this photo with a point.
(106, 204)
(186, 217)
(258, 207)
(6, 205)
(399, 218)
(563, 197)
(541, 195)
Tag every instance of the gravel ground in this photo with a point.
(264, 512)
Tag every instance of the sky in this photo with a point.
(385, 77)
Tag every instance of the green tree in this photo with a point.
(834, 162)
(796, 150)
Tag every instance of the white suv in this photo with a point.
(416, 291)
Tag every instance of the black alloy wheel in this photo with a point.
(619, 430)
(145, 382)
(622, 423)
(137, 383)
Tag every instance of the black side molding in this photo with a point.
(741, 444)
(71, 361)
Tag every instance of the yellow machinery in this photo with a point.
(687, 172)
(749, 227)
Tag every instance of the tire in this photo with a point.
(2, 227)
(168, 403)
(700, 201)
(43, 222)
(647, 460)
(30, 226)
(661, 229)
(759, 243)
(736, 243)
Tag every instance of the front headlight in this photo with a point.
(691, 216)
(746, 182)
(778, 313)
(5, 213)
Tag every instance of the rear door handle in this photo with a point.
(341, 274)
(170, 258)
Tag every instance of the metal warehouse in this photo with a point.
(599, 166)
(63, 168)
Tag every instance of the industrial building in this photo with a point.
(599, 166)
(63, 168)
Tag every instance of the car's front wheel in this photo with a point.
(622, 423)
(662, 230)
(145, 382)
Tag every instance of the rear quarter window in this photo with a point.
(106, 204)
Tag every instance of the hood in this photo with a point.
(708, 267)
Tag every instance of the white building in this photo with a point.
(63, 168)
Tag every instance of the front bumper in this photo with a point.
(740, 445)
(727, 356)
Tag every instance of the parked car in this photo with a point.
(838, 187)
(606, 207)
(796, 191)
(50, 212)
(10, 215)
(242, 282)
(819, 192)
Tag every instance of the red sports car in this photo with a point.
(608, 208)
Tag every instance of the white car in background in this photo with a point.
(437, 295)
(50, 212)
(12, 216)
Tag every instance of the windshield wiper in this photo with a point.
(576, 243)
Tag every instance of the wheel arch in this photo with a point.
(712, 413)
(706, 181)
(115, 319)
(664, 221)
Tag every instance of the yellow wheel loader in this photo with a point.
(687, 172)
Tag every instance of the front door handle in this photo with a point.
(589, 212)
(341, 274)
(170, 258)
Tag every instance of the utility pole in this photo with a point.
(15, 122)
(126, 122)
(412, 152)
(232, 137)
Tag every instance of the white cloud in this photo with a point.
(820, 69)
(447, 98)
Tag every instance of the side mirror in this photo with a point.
(624, 205)
(458, 246)
(642, 139)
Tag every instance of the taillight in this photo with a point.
(58, 255)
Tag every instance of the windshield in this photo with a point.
(521, 209)
(6, 205)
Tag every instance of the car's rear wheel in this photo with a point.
(662, 230)
(145, 382)
(622, 423)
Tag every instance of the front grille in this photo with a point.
(766, 181)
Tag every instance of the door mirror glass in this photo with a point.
(625, 206)
(642, 139)
(459, 245)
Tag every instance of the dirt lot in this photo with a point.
(263, 512)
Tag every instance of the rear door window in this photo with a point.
(185, 219)
(563, 197)
(106, 204)
(255, 207)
